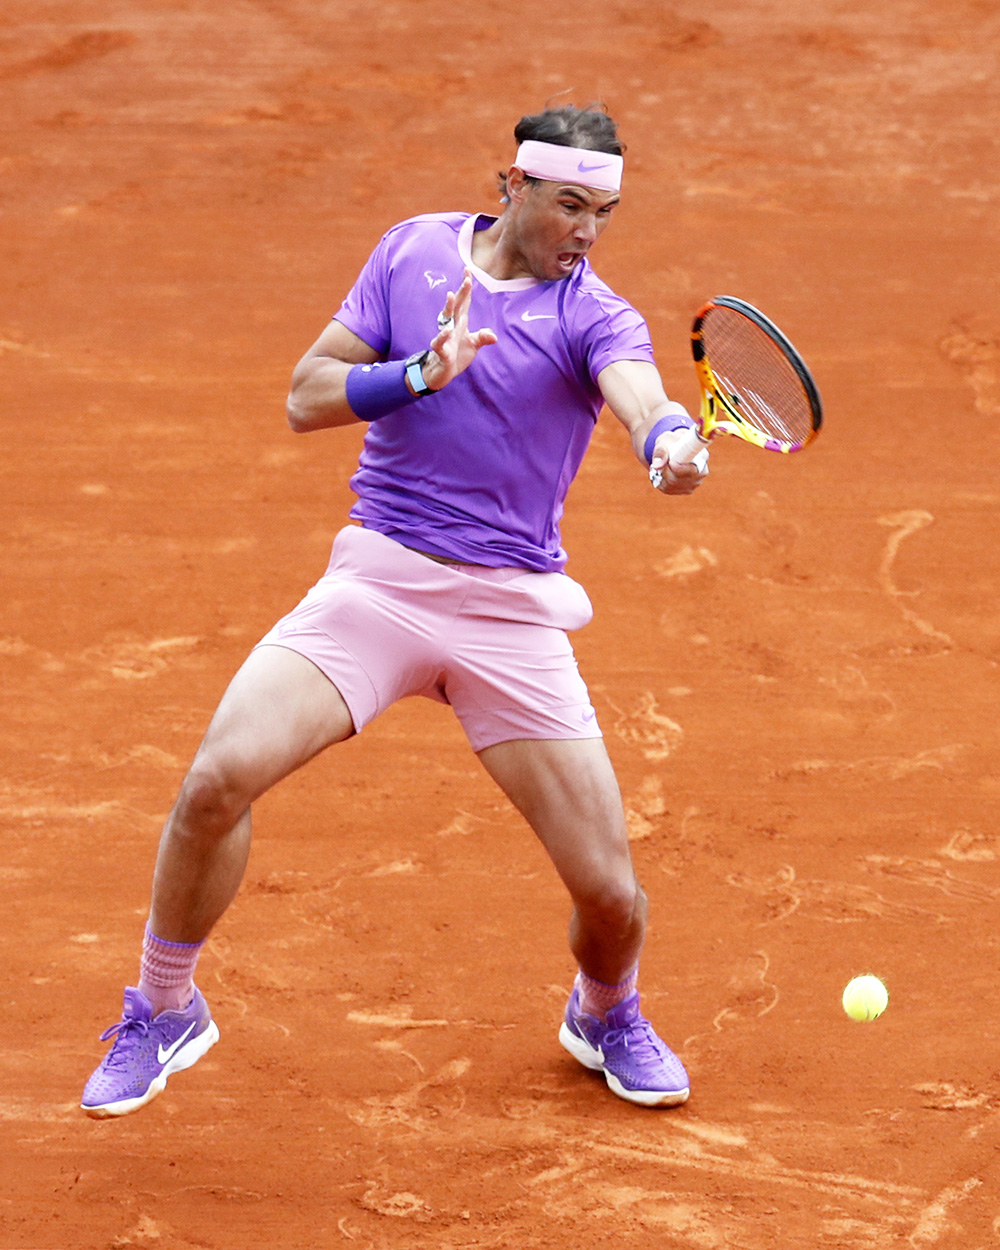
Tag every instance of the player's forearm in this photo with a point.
(634, 392)
(318, 396)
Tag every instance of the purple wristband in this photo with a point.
(676, 421)
(374, 391)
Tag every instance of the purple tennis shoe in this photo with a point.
(636, 1064)
(146, 1051)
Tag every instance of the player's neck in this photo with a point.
(494, 251)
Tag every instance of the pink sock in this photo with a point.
(166, 973)
(597, 999)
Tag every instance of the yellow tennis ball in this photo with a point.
(865, 998)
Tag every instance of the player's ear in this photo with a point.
(517, 184)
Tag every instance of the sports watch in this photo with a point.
(415, 374)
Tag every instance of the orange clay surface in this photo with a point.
(796, 670)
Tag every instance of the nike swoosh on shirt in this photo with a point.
(162, 1056)
(527, 316)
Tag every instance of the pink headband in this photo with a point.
(554, 163)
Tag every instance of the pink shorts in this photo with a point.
(385, 622)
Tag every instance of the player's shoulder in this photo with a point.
(596, 296)
(590, 285)
(424, 222)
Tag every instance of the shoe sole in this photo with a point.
(185, 1058)
(584, 1053)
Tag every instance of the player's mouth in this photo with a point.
(568, 260)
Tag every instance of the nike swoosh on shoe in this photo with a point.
(164, 1056)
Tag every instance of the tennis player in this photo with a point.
(479, 351)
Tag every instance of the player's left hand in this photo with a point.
(673, 477)
(454, 348)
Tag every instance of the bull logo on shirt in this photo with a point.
(435, 279)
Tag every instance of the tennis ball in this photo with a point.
(865, 998)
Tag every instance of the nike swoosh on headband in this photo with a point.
(553, 162)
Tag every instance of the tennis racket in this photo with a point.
(754, 384)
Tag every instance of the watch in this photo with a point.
(415, 374)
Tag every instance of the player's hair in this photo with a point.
(570, 127)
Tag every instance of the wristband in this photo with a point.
(678, 420)
(374, 391)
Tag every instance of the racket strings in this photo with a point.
(756, 375)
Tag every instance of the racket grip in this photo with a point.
(700, 459)
(689, 447)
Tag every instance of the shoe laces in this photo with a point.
(125, 1032)
(638, 1038)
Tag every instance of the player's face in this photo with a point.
(557, 224)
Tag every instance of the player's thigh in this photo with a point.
(567, 791)
(278, 712)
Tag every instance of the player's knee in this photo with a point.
(211, 800)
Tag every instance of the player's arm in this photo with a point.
(318, 396)
(329, 389)
(634, 392)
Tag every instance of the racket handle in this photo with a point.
(689, 447)
(701, 460)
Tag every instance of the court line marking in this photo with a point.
(933, 1219)
(905, 524)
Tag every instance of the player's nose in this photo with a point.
(586, 230)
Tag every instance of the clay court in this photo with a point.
(796, 669)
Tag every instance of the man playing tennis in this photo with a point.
(451, 586)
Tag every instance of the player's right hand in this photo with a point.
(676, 477)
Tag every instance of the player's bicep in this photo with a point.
(633, 391)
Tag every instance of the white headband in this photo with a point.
(554, 163)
